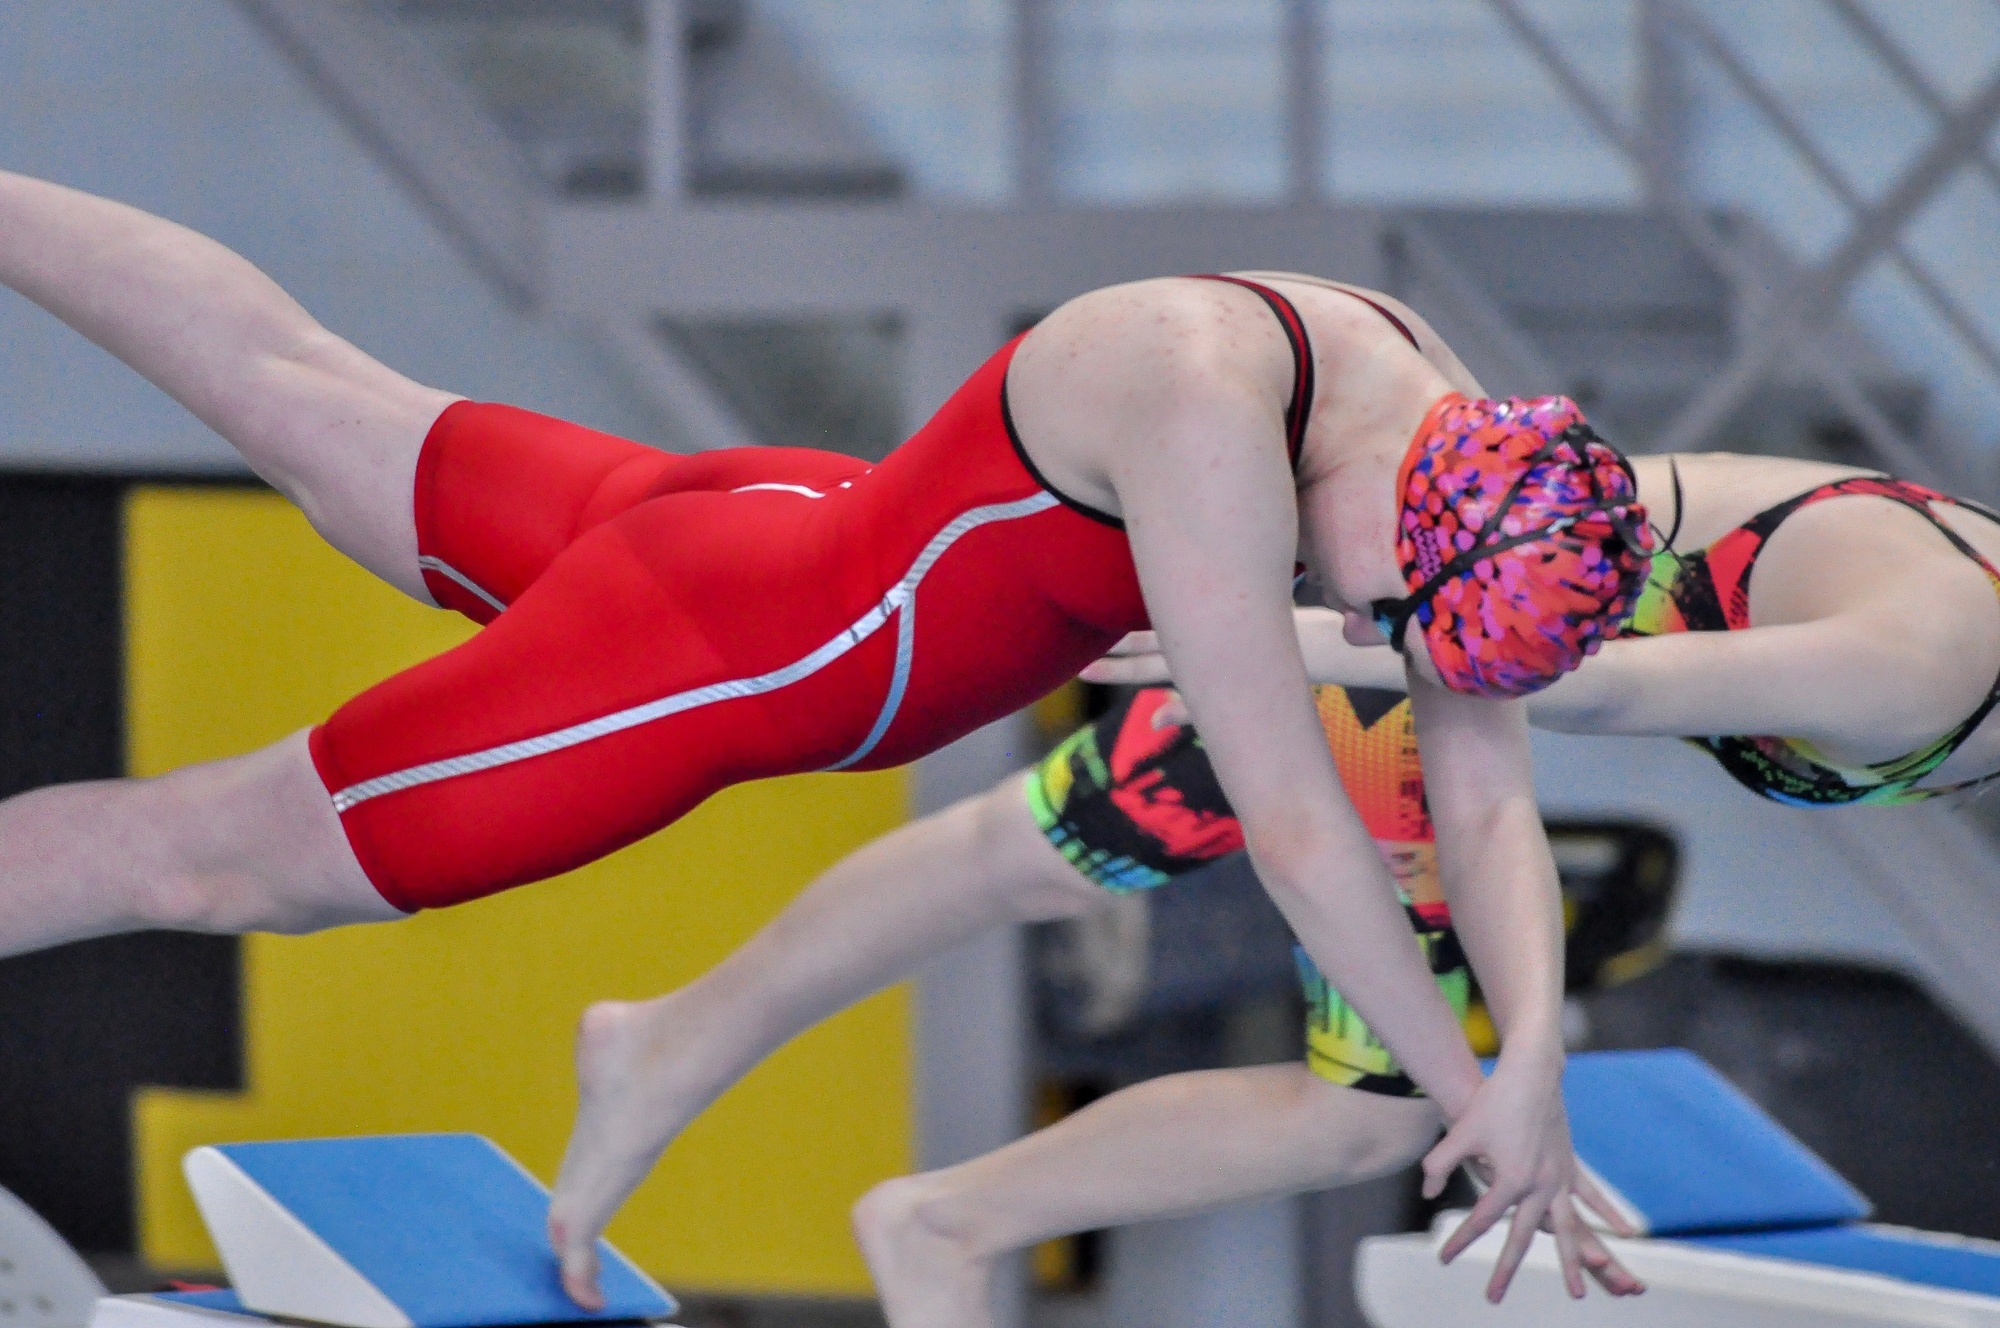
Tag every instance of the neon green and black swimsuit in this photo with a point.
(1709, 591)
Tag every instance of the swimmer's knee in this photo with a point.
(249, 844)
(1359, 1135)
(1038, 882)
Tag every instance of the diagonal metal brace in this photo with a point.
(1816, 293)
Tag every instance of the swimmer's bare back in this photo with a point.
(1873, 633)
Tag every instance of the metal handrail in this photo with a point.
(1804, 296)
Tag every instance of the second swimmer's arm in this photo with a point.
(1136, 661)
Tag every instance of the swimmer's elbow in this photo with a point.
(1586, 701)
(1565, 717)
(1290, 847)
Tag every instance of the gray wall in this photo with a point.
(1758, 878)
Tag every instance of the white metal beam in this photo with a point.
(1904, 69)
(1032, 102)
(1762, 287)
(1305, 102)
(667, 156)
(1664, 100)
(1774, 110)
(756, 259)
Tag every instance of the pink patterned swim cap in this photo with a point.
(1521, 539)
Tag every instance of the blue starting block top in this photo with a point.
(1762, 1229)
(1685, 1151)
(396, 1231)
(1953, 1263)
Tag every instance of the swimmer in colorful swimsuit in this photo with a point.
(1869, 632)
(1859, 666)
(660, 627)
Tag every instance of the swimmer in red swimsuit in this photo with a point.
(661, 627)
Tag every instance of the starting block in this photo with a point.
(389, 1231)
(1744, 1227)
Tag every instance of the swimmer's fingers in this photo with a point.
(1581, 1250)
(1134, 661)
(1593, 1198)
(1490, 1208)
(1603, 1265)
(1520, 1235)
(1563, 1223)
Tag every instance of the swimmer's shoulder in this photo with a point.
(1426, 335)
(1316, 297)
(1724, 490)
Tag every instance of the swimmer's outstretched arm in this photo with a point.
(1136, 661)
(1849, 678)
(331, 428)
(1215, 572)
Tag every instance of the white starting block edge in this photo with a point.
(1400, 1284)
(397, 1231)
(46, 1281)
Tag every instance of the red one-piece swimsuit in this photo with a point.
(659, 627)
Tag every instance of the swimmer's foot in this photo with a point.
(636, 1090)
(927, 1275)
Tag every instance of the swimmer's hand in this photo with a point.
(1331, 656)
(1136, 661)
(1515, 1137)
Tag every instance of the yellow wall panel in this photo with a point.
(242, 627)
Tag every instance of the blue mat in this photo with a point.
(1691, 1153)
(1909, 1256)
(223, 1302)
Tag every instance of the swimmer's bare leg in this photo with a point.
(327, 426)
(247, 844)
(1169, 1146)
(646, 1069)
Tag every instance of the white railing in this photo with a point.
(1792, 305)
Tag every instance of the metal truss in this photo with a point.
(1791, 305)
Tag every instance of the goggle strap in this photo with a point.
(1396, 613)
(1392, 616)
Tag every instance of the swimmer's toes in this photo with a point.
(579, 1264)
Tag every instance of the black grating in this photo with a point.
(83, 1025)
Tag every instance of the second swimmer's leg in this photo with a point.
(334, 430)
(1165, 1147)
(646, 1069)
(246, 844)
